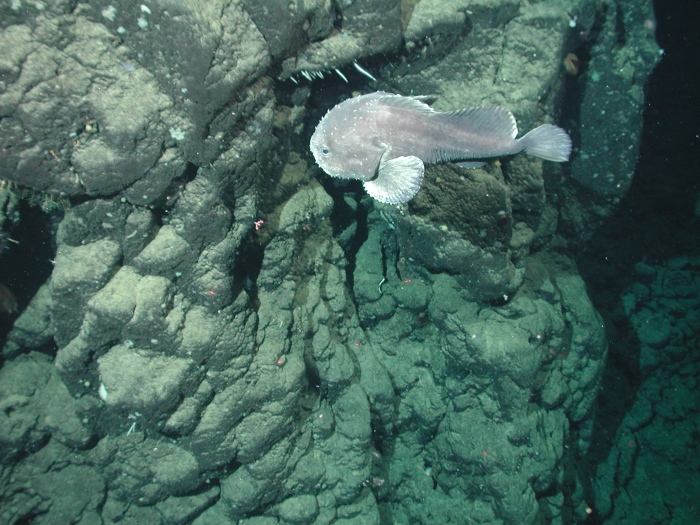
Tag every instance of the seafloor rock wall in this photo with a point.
(655, 437)
(236, 342)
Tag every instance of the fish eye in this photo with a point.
(325, 151)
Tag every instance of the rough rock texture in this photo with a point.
(98, 100)
(9, 214)
(622, 54)
(507, 379)
(655, 439)
(356, 30)
(236, 342)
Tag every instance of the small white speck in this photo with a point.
(109, 13)
(177, 133)
(142, 22)
(145, 9)
(102, 392)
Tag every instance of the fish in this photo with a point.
(385, 140)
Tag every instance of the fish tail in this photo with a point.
(549, 142)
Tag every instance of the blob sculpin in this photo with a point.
(385, 140)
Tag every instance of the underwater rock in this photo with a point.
(434, 361)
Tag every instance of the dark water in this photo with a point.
(652, 243)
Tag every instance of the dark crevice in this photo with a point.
(172, 193)
(620, 26)
(28, 263)
(654, 222)
(330, 92)
(575, 85)
(249, 260)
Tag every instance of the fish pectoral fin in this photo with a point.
(397, 181)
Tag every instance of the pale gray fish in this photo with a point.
(385, 140)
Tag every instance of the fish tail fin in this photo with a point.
(548, 142)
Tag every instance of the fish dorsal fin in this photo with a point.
(397, 181)
(427, 99)
(491, 121)
(412, 103)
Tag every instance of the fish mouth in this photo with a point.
(334, 171)
(321, 164)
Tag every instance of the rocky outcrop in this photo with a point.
(237, 341)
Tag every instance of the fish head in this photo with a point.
(344, 144)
